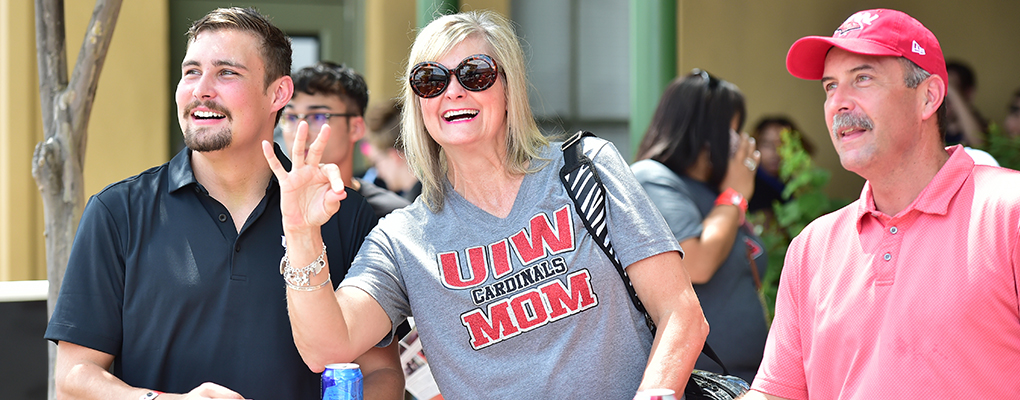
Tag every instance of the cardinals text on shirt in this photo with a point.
(541, 291)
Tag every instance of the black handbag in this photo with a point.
(588, 194)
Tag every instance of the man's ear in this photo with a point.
(283, 90)
(356, 129)
(933, 90)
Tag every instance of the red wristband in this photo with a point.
(733, 198)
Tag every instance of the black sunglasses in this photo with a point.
(475, 73)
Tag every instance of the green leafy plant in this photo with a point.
(1005, 148)
(805, 200)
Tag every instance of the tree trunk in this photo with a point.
(59, 160)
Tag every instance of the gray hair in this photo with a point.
(913, 75)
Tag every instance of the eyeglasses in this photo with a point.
(475, 73)
(289, 122)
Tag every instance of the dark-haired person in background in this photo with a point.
(699, 172)
(173, 278)
(337, 95)
(964, 124)
(384, 149)
(1011, 126)
(768, 187)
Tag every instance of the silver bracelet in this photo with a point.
(299, 277)
(309, 288)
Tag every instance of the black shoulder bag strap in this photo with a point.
(589, 195)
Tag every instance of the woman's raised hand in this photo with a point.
(741, 169)
(310, 192)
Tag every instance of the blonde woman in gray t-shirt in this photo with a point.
(512, 297)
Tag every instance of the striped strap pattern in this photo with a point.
(591, 200)
(589, 195)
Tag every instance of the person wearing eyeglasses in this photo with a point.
(511, 296)
(699, 173)
(328, 93)
(172, 284)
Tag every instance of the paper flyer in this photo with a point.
(417, 374)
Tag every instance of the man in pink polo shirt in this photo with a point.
(911, 291)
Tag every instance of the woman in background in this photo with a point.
(1012, 122)
(699, 172)
(768, 187)
(383, 148)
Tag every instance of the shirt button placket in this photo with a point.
(893, 230)
(885, 270)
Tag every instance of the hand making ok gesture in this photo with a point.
(310, 192)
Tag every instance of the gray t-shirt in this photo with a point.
(729, 299)
(524, 306)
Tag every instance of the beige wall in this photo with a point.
(390, 28)
(745, 42)
(389, 31)
(500, 6)
(21, 241)
(127, 130)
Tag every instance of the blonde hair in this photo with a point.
(523, 141)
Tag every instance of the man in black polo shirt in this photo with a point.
(174, 276)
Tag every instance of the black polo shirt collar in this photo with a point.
(181, 174)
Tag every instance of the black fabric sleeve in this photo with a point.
(90, 303)
(351, 225)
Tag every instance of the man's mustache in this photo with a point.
(850, 120)
(207, 104)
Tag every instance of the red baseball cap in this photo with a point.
(878, 32)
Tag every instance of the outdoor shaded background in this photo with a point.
(578, 59)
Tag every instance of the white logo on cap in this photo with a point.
(916, 48)
(855, 22)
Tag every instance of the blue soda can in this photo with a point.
(342, 382)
